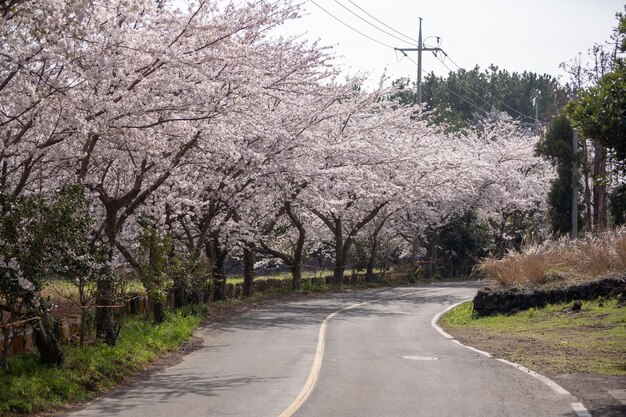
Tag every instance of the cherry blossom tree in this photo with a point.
(231, 141)
(515, 180)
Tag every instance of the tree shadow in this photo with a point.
(165, 388)
(294, 315)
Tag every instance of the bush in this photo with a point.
(464, 240)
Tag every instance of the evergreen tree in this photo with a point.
(557, 147)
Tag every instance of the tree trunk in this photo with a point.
(599, 189)
(83, 326)
(219, 271)
(340, 267)
(180, 294)
(343, 247)
(296, 275)
(413, 260)
(84, 304)
(219, 285)
(588, 218)
(369, 270)
(340, 264)
(369, 276)
(296, 268)
(435, 259)
(6, 347)
(47, 344)
(248, 271)
(429, 268)
(158, 309)
(105, 325)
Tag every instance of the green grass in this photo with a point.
(88, 371)
(552, 339)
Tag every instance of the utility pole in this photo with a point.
(537, 114)
(419, 49)
(574, 211)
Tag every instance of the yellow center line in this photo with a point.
(309, 386)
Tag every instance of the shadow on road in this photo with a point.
(312, 312)
(165, 388)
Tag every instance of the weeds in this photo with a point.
(29, 387)
(561, 260)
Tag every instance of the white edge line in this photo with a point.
(553, 385)
(482, 352)
(435, 319)
(579, 408)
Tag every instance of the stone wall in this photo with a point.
(490, 302)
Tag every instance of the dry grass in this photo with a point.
(562, 260)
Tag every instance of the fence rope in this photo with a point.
(17, 323)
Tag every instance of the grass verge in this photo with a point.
(91, 370)
(552, 340)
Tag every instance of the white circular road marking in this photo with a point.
(420, 358)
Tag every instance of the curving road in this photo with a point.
(380, 357)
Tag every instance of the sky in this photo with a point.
(520, 35)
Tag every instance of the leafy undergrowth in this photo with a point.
(88, 371)
(561, 261)
(551, 340)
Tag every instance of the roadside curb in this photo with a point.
(578, 407)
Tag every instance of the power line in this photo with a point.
(452, 44)
(458, 67)
(391, 47)
(464, 82)
(404, 8)
(383, 23)
(420, 48)
(484, 90)
(453, 92)
(373, 25)
(476, 84)
(356, 30)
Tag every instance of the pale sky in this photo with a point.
(532, 35)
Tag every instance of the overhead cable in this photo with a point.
(347, 25)
(411, 42)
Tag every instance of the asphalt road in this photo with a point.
(381, 357)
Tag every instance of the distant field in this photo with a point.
(284, 275)
(64, 293)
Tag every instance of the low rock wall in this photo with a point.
(490, 302)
